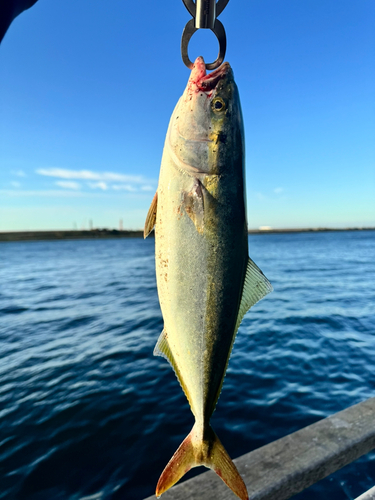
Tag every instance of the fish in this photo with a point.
(206, 280)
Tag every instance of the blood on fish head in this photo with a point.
(206, 114)
(200, 81)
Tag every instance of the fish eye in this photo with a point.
(218, 104)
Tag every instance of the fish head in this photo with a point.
(206, 127)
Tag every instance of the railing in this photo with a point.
(368, 495)
(287, 466)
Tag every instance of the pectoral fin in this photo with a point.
(256, 287)
(194, 205)
(151, 216)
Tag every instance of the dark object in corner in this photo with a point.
(9, 10)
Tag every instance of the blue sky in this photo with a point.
(87, 89)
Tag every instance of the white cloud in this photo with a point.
(260, 196)
(69, 184)
(89, 175)
(278, 190)
(123, 187)
(15, 184)
(54, 193)
(97, 180)
(100, 185)
(18, 173)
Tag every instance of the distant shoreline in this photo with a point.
(114, 233)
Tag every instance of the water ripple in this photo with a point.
(86, 411)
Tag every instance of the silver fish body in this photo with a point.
(206, 281)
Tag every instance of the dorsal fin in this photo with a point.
(151, 216)
(256, 286)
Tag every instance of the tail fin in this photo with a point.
(196, 450)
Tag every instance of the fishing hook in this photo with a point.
(204, 13)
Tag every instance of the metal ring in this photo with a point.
(189, 31)
(220, 6)
(191, 6)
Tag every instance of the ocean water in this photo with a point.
(87, 412)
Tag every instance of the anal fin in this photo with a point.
(163, 349)
(151, 216)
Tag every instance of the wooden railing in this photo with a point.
(287, 466)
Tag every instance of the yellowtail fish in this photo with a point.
(206, 280)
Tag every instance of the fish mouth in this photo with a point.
(207, 82)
